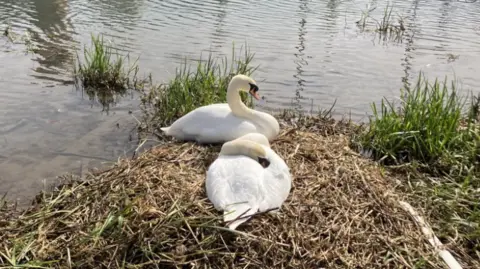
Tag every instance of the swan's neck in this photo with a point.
(243, 147)
(235, 102)
(265, 122)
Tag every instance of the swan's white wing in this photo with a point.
(210, 124)
(276, 183)
(233, 179)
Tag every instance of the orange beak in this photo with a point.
(254, 94)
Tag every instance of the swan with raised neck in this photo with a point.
(264, 121)
(214, 123)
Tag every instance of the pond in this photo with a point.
(311, 54)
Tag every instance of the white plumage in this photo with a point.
(240, 184)
(219, 123)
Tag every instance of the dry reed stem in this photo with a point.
(152, 212)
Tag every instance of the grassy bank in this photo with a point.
(344, 210)
(432, 139)
(432, 125)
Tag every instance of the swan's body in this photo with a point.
(219, 123)
(238, 185)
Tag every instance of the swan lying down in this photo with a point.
(246, 178)
(219, 123)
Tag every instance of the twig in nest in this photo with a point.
(295, 152)
(428, 232)
(241, 216)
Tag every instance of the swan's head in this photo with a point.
(248, 148)
(247, 84)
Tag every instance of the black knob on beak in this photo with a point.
(264, 162)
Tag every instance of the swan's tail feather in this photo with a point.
(235, 214)
(165, 129)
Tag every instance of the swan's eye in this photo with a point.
(263, 162)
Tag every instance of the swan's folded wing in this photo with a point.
(277, 182)
(213, 123)
(233, 179)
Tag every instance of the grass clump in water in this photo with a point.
(430, 126)
(386, 27)
(387, 23)
(205, 84)
(101, 76)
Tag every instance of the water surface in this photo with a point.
(310, 53)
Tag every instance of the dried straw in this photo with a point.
(152, 212)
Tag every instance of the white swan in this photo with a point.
(218, 123)
(247, 177)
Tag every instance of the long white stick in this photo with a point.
(428, 232)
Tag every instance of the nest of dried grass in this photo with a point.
(152, 212)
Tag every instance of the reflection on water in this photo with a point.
(409, 46)
(219, 35)
(310, 54)
(300, 60)
(53, 38)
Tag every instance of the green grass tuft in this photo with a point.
(206, 84)
(103, 77)
(430, 126)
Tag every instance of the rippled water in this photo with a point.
(310, 53)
